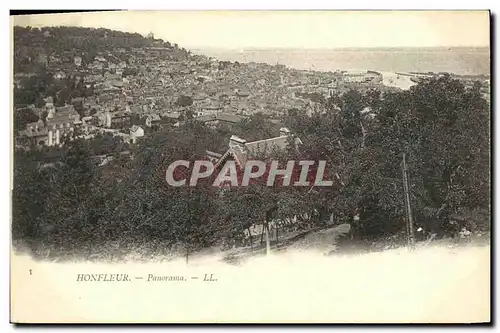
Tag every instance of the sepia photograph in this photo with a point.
(222, 166)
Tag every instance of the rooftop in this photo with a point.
(226, 117)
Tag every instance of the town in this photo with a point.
(100, 115)
(250, 166)
(129, 92)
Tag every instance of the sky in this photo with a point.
(288, 29)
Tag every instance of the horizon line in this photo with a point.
(243, 48)
(204, 47)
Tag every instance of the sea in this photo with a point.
(457, 60)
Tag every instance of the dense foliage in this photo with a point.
(442, 127)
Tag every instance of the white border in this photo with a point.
(258, 4)
(185, 4)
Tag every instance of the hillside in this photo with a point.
(33, 45)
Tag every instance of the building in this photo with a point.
(210, 109)
(120, 119)
(61, 123)
(64, 112)
(362, 77)
(100, 59)
(152, 120)
(36, 133)
(353, 77)
(60, 75)
(136, 132)
(213, 120)
(374, 77)
(103, 119)
(78, 61)
(241, 151)
(213, 156)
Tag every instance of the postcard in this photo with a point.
(251, 167)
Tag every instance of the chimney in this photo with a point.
(284, 131)
(236, 141)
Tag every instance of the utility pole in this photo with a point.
(268, 244)
(409, 221)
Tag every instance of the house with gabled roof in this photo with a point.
(61, 121)
(241, 151)
(136, 132)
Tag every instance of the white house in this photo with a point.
(60, 75)
(136, 132)
(78, 61)
(100, 58)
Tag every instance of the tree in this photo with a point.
(28, 198)
(256, 127)
(184, 101)
(451, 156)
(24, 117)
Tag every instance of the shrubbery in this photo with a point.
(443, 128)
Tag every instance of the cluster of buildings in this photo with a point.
(157, 85)
(360, 77)
(59, 123)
